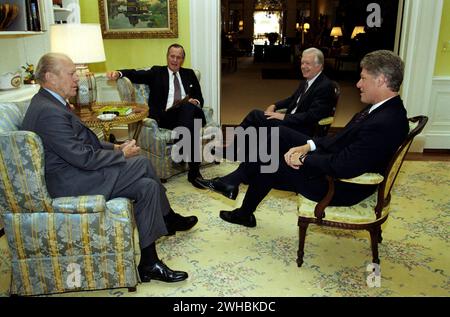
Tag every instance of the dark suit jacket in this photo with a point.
(157, 79)
(317, 103)
(361, 147)
(76, 162)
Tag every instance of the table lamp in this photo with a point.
(336, 31)
(83, 43)
(357, 30)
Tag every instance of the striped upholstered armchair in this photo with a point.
(63, 244)
(156, 143)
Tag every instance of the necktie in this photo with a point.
(300, 97)
(362, 115)
(68, 106)
(177, 89)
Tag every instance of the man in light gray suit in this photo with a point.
(77, 163)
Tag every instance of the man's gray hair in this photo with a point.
(318, 55)
(50, 62)
(387, 63)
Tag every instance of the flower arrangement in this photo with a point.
(29, 74)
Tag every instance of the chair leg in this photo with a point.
(132, 289)
(374, 236)
(380, 237)
(302, 227)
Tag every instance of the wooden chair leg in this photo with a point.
(132, 289)
(380, 237)
(374, 236)
(302, 227)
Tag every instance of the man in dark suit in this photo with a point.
(366, 144)
(313, 100)
(173, 104)
(77, 163)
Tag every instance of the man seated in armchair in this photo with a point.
(77, 163)
(175, 99)
(365, 145)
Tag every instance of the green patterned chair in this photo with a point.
(370, 213)
(156, 143)
(63, 244)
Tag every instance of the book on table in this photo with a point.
(120, 111)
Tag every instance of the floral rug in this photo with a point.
(225, 260)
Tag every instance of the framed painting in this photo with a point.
(138, 19)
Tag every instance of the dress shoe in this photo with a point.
(160, 271)
(193, 180)
(176, 222)
(217, 185)
(233, 216)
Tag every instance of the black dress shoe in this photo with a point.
(176, 222)
(160, 271)
(217, 185)
(233, 216)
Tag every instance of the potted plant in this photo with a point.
(29, 74)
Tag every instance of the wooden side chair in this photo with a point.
(370, 213)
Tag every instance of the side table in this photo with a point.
(140, 112)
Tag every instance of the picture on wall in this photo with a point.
(126, 19)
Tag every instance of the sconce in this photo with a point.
(83, 43)
(241, 26)
(357, 30)
(306, 27)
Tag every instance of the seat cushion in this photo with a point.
(361, 213)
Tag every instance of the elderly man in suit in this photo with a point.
(366, 144)
(312, 101)
(77, 163)
(175, 98)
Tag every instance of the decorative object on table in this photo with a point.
(10, 80)
(154, 19)
(83, 43)
(106, 116)
(272, 37)
(29, 74)
(120, 111)
(8, 12)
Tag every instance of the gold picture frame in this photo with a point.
(138, 19)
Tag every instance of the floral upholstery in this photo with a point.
(63, 244)
(155, 142)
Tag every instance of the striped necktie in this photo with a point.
(177, 88)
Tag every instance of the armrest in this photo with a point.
(326, 121)
(79, 204)
(364, 179)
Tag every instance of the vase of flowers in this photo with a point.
(29, 74)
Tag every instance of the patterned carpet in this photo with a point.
(225, 260)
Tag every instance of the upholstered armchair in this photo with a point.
(156, 143)
(368, 214)
(63, 244)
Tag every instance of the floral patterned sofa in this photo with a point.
(63, 244)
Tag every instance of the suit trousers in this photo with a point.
(138, 181)
(184, 116)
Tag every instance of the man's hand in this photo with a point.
(271, 108)
(294, 157)
(114, 75)
(193, 101)
(270, 115)
(129, 148)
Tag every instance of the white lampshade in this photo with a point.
(336, 31)
(82, 42)
(357, 30)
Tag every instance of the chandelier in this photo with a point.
(269, 5)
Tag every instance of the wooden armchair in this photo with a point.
(370, 213)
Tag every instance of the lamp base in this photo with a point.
(87, 90)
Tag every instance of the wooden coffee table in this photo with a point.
(140, 112)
